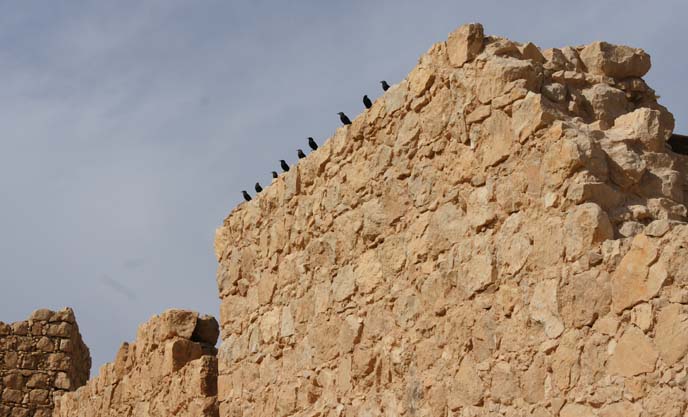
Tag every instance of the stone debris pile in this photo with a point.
(170, 370)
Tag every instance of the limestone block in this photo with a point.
(465, 43)
(607, 103)
(634, 280)
(634, 354)
(616, 61)
(671, 333)
(530, 115)
(586, 225)
(544, 308)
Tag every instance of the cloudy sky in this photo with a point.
(129, 128)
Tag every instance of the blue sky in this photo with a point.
(129, 128)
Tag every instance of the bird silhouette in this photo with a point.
(678, 143)
(345, 120)
(312, 144)
(274, 174)
(246, 196)
(367, 102)
(258, 187)
(300, 153)
(385, 86)
(284, 165)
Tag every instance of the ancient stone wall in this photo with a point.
(40, 359)
(171, 370)
(502, 234)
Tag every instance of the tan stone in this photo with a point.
(465, 43)
(585, 226)
(671, 333)
(344, 284)
(534, 380)
(607, 103)
(633, 281)
(501, 74)
(469, 386)
(497, 138)
(615, 60)
(579, 306)
(532, 52)
(621, 409)
(530, 115)
(576, 410)
(626, 166)
(634, 354)
(544, 309)
(641, 316)
(643, 125)
(420, 80)
(179, 323)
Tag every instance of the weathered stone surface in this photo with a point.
(503, 234)
(621, 409)
(544, 308)
(497, 138)
(530, 115)
(634, 354)
(177, 323)
(634, 280)
(465, 43)
(34, 366)
(579, 306)
(468, 389)
(606, 102)
(671, 334)
(586, 225)
(643, 125)
(163, 373)
(615, 60)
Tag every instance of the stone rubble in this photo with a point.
(502, 234)
(170, 370)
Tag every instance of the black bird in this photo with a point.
(679, 143)
(343, 118)
(246, 196)
(300, 153)
(258, 188)
(312, 144)
(274, 174)
(284, 165)
(385, 86)
(367, 102)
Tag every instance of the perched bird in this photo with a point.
(343, 118)
(300, 153)
(679, 143)
(246, 196)
(312, 144)
(274, 174)
(258, 187)
(284, 165)
(385, 86)
(367, 102)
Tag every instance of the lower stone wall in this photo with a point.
(171, 370)
(40, 359)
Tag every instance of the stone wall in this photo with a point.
(502, 234)
(40, 359)
(171, 370)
